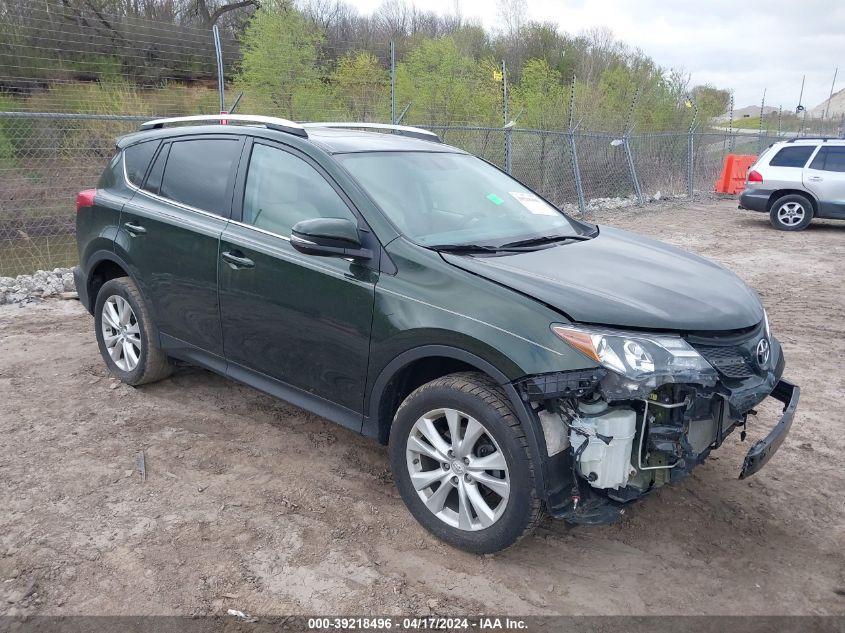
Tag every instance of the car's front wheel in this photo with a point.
(125, 334)
(791, 213)
(462, 465)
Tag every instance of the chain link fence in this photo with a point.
(72, 79)
(46, 158)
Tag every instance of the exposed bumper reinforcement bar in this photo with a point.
(763, 450)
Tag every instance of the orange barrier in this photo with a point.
(732, 179)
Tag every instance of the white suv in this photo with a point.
(797, 180)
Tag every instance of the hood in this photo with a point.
(625, 280)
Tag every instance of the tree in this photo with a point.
(711, 101)
(279, 69)
(513, 15)
(446, 87)
(210, 15)
(360, 87)
(540, 97)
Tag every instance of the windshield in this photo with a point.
(439, 199)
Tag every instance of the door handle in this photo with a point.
(236, 260)
(816, 178)
(135, 229)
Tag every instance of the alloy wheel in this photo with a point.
(791, 213)
(121, 333)
(458, 469)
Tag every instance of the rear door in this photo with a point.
(170, 233)
(825, 178)
(299, 319)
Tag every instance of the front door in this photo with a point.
(294, 318)
(170, 233)
(825, 177)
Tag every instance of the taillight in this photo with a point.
(85, 199)
(754, 176)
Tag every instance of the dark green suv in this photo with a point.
(517, 361)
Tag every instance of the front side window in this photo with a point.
(282, 189)
(198, 173)
(796, 156)
(451, 199)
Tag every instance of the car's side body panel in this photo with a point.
(429, 302)
(304, 320)
(826, 182)
(175, 264)
(97, 226)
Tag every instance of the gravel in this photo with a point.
(44, 283)
(300, 516)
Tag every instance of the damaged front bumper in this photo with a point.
(676, 426)
(762, 451)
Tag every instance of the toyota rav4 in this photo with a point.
(516, 360)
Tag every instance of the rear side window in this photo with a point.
(153, 183)
(830, 159)
(137, 159)
(796, 156)
(198, 173)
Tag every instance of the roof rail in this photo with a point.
(271, 123)
(811, 138)
(403, 130)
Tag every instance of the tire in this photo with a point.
(792, 212)
(485, 526)
(144, 362)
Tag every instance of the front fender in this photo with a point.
(527, 417)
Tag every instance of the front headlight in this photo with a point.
(640, 361)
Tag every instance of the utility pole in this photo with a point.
(801, 107)
(832, 84)
(506, 123)
(392, 82)
(218, 51)
(801, 96)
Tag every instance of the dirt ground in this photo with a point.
(250, 503)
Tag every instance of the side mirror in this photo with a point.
(328, 237)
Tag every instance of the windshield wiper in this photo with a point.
(546, 239)
(465, 248)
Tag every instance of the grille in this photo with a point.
(730, 361)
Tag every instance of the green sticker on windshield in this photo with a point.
(492, 197)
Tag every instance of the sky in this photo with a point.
(743, 46)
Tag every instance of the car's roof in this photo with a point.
(342, 141)
(810, 141)
(332, 140)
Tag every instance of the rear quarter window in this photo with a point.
(796, 156)
(137, 159)
(107, 178)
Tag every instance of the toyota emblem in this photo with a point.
(763, 352)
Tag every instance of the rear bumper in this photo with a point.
(754, 199)
(762, 451)
(81, 283)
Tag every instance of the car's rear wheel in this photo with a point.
(461, 462)
(791, 213)
(125, 334)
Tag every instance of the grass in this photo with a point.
(25, 256)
